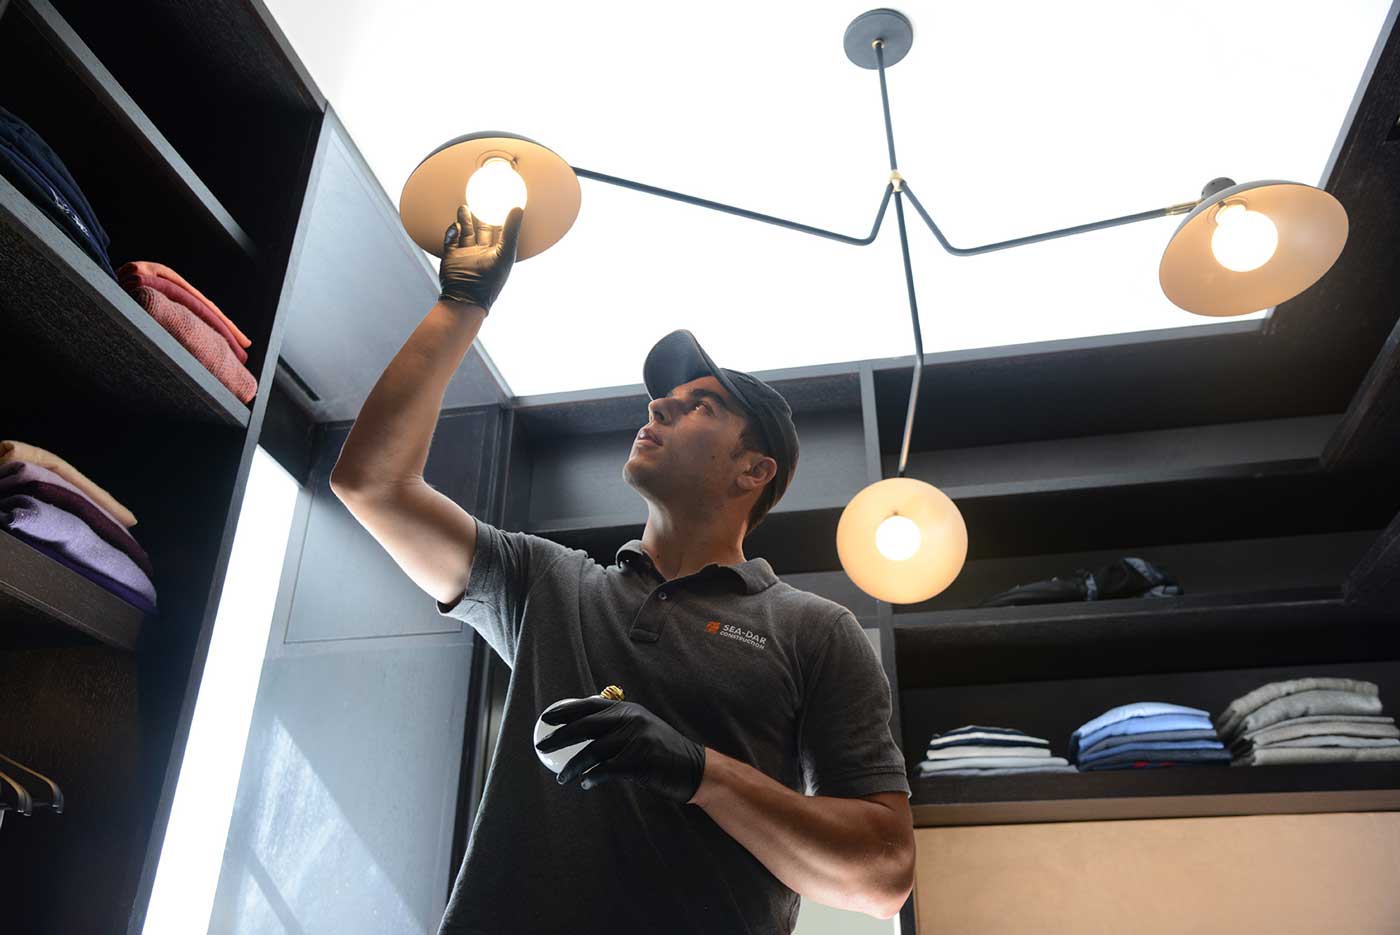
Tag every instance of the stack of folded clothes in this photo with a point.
(1310, 720)
(52, 506)
(194, 321)
(988, 751)
(35, 169)
(1147, 734)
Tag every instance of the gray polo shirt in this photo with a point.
(733, 658)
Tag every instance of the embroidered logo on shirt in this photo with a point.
(732, 632)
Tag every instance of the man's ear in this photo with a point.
(760, 472)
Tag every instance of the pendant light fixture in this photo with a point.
(492, 172)
(1249, 247)
(1240, 249)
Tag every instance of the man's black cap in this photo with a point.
(678, 358)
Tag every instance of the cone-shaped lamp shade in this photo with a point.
(866, 543)
(1311, 228)
(428, 204)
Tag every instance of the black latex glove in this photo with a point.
(629, 742)
(477, 258)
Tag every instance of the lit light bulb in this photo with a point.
(493, 190)
(897, 538)
(1243, 240)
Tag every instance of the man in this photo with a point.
(686, 812)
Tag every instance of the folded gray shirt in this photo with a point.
(1252, 701)
(1278, 756)
(1343, 725)
(1303, 704)
(1331, 740)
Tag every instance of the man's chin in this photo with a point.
(633, 469)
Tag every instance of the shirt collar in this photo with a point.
(755, 574)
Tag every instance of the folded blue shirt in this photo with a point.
(1124, 759)
(1141, 725)
(1092, 731)
(1118, 740)
(1150, 749)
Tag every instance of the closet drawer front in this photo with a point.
(1258, 873)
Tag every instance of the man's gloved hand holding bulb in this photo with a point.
(556, 760)
(477, 258)
(624, 740)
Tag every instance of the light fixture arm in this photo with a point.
(918, 335)
(1168, 211)
(879, 46)
(898, 188)
(744, 212)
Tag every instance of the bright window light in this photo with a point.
(193, 850)
(1008, 121)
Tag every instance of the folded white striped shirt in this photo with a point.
(951, 753)
(988, 762)
(994, 737)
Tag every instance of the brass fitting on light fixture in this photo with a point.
(612, 693)
(897, 180)
(1183, 208)
(877, 43)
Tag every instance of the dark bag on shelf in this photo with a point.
(1126, 577)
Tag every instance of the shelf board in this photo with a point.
(1007, 644)
(40, 599)
(57, 302)
(133, 121)
(1077, 513)
(1169, 792)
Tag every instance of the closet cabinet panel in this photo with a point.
(346, 802)
(347, 586)
(361, 289)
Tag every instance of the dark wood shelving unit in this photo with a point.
(159, 154)
(63, 307)
(193, 131)
(43, 601)
(1080, 640)
(1166, 792)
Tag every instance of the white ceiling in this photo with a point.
(1010, 118)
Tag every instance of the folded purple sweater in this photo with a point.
(43, 524)
(26, 477)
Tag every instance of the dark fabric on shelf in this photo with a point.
(35, 169)
(1125, 577)
(43, 484)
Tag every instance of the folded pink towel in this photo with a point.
(173, 290)
(21, 477)
(200, 340)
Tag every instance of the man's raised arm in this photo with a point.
(379, 474)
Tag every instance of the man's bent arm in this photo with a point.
(851, 853)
